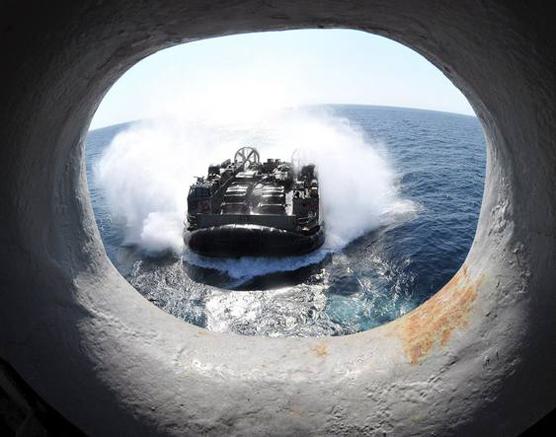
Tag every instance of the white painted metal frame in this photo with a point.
(477, 358)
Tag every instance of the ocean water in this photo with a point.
(439, 162)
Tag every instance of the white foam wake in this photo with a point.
(146, 171)
(248, 267)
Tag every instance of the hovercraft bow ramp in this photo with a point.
(478, 358)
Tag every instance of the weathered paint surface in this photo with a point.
(434, 322)
(320, 350)
(81, 336)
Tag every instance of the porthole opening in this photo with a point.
(401, 188)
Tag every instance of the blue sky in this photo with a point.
(292, 67)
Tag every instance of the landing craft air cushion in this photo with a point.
(249, 208)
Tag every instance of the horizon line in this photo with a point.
(315, 104)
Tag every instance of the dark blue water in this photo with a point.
(440, 160)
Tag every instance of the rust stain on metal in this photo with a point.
(321, 350)
(434, 322)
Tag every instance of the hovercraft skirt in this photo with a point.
(253, 240)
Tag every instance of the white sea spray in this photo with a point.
(147, 169)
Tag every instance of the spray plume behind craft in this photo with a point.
(146, 171)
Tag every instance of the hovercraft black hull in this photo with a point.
(253, 240)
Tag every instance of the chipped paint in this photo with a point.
(127, 366)
(435, 321)
(320, 350)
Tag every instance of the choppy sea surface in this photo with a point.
(439, 160)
